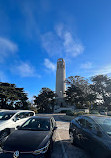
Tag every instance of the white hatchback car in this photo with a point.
(10, 119)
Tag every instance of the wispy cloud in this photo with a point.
(52, 44)
(61, 42)
(24, 69)
(3, 77)
(71, 46)
(49, 65)
(104, 70)
(30, 11)
(87, 65)
(7, 48)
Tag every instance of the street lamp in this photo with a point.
(61, 93)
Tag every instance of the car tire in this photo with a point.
(72, 138)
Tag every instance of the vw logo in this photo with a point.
(16, 154)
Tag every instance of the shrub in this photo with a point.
(109, 113)
(94, 112)
(69, 113)
(79, 113)
(63, 111)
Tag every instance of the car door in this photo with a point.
(94, 141)
(24, 116)
(89, 131)
(19, 119)
(80, 136)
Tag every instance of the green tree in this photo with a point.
(102, 87)
(45, 101)
(74, 95)
(79, 91)
(12, 97)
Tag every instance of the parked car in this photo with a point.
(103, 112)
(9, 119)
(92, 133)
(33, 139)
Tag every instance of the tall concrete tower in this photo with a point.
(60, 78)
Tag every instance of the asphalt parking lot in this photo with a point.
(62, 146)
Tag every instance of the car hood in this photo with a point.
(24, 140)
(2, 122)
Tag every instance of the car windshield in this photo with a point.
(36, 124)
(105, 123)
(6, 115)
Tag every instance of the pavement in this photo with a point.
(62, 146)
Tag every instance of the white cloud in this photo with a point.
(104, 70)
(87, 65)
(59, 29)
(25, 70)
(51, 44)
(3, 77)
(61, 43)
(71, 46)
(7, 48)
(49, 65)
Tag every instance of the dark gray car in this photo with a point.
(93, 133)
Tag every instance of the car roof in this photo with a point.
(96, 116)
(15, 111)
(42, 117)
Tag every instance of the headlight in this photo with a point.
(1, 150)
(42, 150)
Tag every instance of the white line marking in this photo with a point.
(63, 149)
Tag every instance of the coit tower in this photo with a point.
(60, 78)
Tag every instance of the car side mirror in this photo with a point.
(99, 133)
(17, 127)
(14, 119)
(55, 128)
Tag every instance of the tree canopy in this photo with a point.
(101, 85)
(12, 97)
(45, 101)
(79, 91)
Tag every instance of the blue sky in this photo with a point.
(35, 33)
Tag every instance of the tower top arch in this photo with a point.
(60, 63)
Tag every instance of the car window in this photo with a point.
(91, 125)
(30, 114)
(20, 116)
(105, 124)
(81, 121)
(6, 115)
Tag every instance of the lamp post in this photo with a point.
(61, 93)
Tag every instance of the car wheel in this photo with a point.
(72, 138)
